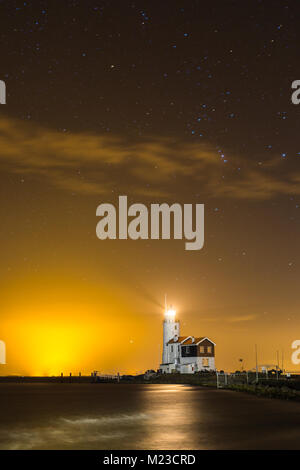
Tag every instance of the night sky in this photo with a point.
(173, 101)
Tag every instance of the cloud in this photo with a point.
(231, 319)
(241, 318)
(94, 164)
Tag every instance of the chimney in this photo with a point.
(193, 339)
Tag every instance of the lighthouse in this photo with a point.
(170, 331)
(184, 354)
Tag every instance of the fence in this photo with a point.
(273, 378)
(98, 377)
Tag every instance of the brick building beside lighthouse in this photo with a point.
(184, 354)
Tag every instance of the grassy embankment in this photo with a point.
(285, 391)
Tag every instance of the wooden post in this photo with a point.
(256, 366)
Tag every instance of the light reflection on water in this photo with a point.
(173, 416)
(66, 433)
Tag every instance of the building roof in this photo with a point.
(196, 340)
(180, 339)
(189, 340)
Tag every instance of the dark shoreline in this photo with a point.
(284, 390)
(184, 379)
(32, 379)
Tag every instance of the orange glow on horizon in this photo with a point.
(49, 331)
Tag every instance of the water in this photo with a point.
(119, 416)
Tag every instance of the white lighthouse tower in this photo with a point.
(170, 331)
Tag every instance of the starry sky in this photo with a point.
(173, 101)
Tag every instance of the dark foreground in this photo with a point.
(120, 416)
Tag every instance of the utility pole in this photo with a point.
(256, 365)
(277, 366)
(282, 360)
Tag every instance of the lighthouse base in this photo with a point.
(188, 366)
(178, 368)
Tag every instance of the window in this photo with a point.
(189, 351)
(205, 362)
(202, 350)
(175, 327)
(209, 349)
(171, 348)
